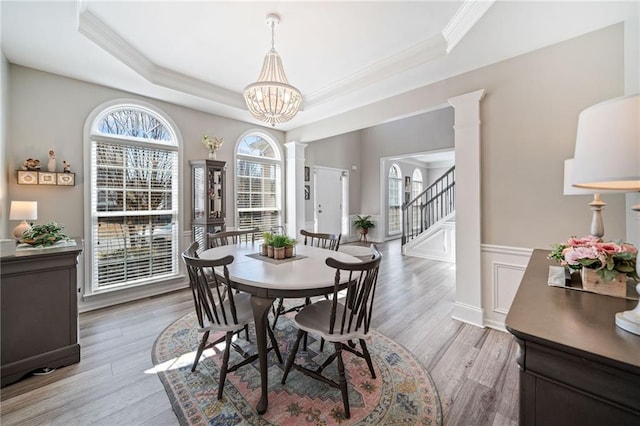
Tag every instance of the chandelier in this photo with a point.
(272, 98)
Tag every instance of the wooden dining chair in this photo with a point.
(219, 309)
(224, 238)
(341, 321)
(326, 241)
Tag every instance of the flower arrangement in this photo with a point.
(608, 258)
(212, 143)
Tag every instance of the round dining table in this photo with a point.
(305, 275)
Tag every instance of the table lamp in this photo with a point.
(597, 224)
(23, 210)
(607, 156)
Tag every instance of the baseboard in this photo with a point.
(468, 314)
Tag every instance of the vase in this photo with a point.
(288, 252)
(212, 154)
(264, 250)
(592, 282)
(278, 253)
(270, 251)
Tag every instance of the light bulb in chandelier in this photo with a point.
(272, 99)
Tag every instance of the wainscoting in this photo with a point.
(502, 271)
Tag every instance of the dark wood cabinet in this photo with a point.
(39, 310)
(576, 366)
(208, 212)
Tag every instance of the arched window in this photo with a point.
(258, 182)
(416, 189)
(133, 228)
(395, 200)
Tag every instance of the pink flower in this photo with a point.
(628, 248)
(609, 248)
(572, 255)
(584, 241)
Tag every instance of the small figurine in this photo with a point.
(30, 164)
(51, 165)
(66, 167)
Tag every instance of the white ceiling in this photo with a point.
(340, 55)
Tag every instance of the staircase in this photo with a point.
(428, 219)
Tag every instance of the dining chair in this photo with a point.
(341, 321)
(224, 238)
(326, 241)
(219, 309)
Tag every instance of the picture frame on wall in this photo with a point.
(307, 192)
(45, 178)
(27, 177)
(307, 175)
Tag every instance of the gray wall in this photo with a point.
(339, 152)
(421, 133)
(49, 111)
(4, 176)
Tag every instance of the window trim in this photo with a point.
(90, 134)
(279, 160)
(400, 195)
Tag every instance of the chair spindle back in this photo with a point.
(362, 278)
(325, 241)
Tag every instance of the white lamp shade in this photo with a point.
(23, 210)
(607, 153)
(569, 189)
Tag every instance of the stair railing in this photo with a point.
(428, 207)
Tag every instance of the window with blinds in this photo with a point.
(134, 200)
(258, 184)
(416, 189)
(395, 199)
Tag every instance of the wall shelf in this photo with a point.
(34, 177)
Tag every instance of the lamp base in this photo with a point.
(20, 229)
(630, 320)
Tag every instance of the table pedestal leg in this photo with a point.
(260, 307)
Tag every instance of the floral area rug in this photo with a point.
(402, 393)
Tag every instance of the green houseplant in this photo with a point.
(363, 223)
(44, 235)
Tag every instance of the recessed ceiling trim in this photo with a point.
(411, 57)
(464, 19)
(97, 31)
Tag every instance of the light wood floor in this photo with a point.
(474, 369)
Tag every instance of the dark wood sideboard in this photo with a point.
(39, 310)
(576, 366)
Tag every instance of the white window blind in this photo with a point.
(258, 184)
(134, 201)
(395, 199)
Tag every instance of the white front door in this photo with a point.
(328, 197)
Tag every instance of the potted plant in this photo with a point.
(278, 242)
(288, 247)
(44, 235)
(266, 243)
(363, 223)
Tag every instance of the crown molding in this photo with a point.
(465, 18)
(100, 33)
(411, 57)
(426, 51)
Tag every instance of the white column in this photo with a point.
(295, 214)
(468, 305)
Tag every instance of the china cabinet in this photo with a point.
(208, 198)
